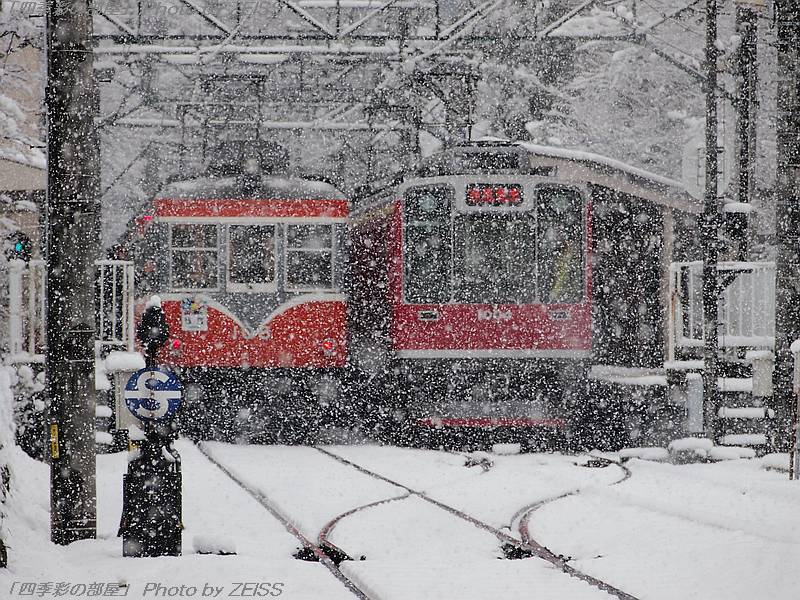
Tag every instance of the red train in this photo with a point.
(248, 266)
(471, 290)
(481, 289)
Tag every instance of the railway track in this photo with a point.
(309, 548)
(525, 546)
(331, 556)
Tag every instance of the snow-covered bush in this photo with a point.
(27, 387)
(6, 444)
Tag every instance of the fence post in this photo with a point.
(15, 341)
(794, 455)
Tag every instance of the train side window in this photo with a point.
(194, 249)
(309, 257)
(559, 224)
(251, 258)
(428, 245)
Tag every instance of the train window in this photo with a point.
(494, 261)
(309, 257)
(251, 258)
(560, 245)
(428, 245)
(193, 257)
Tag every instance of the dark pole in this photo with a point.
(72, 246)
(787, 293)
(710, 227)
(746, 99)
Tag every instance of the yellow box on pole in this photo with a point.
(54, 440)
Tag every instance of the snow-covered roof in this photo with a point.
(232, 187)
(615, 174)
(569, 166)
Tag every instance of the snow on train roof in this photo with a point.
(575, 166)
(581, 155)
(231, 187)
(615, 174)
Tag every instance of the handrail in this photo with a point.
(746, 306)
(26, 297)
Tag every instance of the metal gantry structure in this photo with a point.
(350, 85)
(364, 73)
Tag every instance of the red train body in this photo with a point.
(473, 291)
(486, 285)
(249, 272)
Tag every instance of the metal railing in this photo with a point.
(746, 306)
(115, 303)
(26, 308)
(26, 311)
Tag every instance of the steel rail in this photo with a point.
(315, 549)
(525, 544)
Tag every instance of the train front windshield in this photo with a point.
(494, 257)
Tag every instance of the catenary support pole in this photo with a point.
(787, 285)
(710, 227)
(72, 246)
(747, 101)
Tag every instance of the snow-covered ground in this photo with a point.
(728, 530)
(214, 508)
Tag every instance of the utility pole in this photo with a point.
(710, 228)
(746, 104)
(787, 284)
(72, 246)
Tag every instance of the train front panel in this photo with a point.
(488, 301)
(252, 290)
(490, 267)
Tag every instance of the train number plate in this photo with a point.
(194, 315)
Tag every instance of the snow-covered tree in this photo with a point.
(22, 72)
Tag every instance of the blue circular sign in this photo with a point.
(153, 394)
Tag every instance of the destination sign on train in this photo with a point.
(485, 194)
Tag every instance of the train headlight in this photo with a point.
(328, 347)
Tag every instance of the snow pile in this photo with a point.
(690, 449)
(135, 434)
(735, 384)
(101, 380)
(115, 362)
(776, 462)
(103, 437)
(687, 450)
(730, 453)
(103, 412)
(690, 443)
(6, 445)
(211, 544)
(656, 454)
(124, 361)
(745, 412)
(744, 439)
